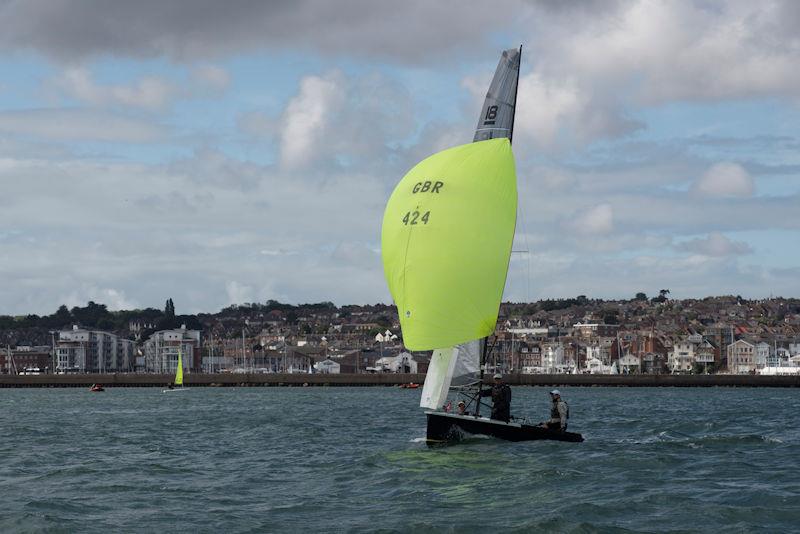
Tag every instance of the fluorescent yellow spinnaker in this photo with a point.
(179, 371)
(446, 241)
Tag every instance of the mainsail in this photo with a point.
(497, 115)
(447, 235)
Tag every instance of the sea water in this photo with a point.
(354, 459)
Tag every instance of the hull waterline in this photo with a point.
(448, 428)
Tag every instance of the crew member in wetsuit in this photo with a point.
(559, 413)
(501, 399)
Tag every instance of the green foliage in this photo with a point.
(563, 304)
(91, 315)
(105, 324)
(700, 369)
(169, 309)
(610, 316)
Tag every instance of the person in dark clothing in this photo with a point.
(501, 399)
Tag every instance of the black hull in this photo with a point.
(444, 428)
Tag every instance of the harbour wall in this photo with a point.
(390, 379)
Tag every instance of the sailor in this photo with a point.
(501, 399)
(462, 408)
(559, 412)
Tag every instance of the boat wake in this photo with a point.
(709, 440)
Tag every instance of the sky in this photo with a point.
(228, 152)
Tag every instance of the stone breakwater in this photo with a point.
(386, 379)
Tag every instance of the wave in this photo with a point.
(678, 438)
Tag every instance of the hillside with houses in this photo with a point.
(658, 335)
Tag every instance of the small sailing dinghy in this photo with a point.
(446, 243)
(178, 377)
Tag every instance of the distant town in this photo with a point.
(642, 335)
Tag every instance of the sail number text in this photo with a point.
(417, 217)
(491, 115)
(413, 217)
(427, 186)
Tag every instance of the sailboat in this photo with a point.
(446, 242)
(178, 377)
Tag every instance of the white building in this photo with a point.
(595, 366)
(553, 358)
(681, 358)
(684, 354)
(741, 357)
(763, 351)
(629, 363)
(402, 363)
(328, 366)
(93, 351)
(161, 350)
(784, 364)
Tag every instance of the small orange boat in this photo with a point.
(410, 385)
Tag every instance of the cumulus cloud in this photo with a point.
(597, 220)
(561, 112)
(307, 226)
(594, 65)
(208, 231)
(679, 50)
(80, 125)
(408, 31)
(350, 253)
(213, 167)
(149, 92)
(554, 178)
(239, 293)
(211, 77)
(320, 98)
(556, 275)
(336, 121)
(715, 244)
(724, 180)
(114, 299)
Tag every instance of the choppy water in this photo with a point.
(351, 459)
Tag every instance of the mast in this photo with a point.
(495, 123)
(516, 88)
